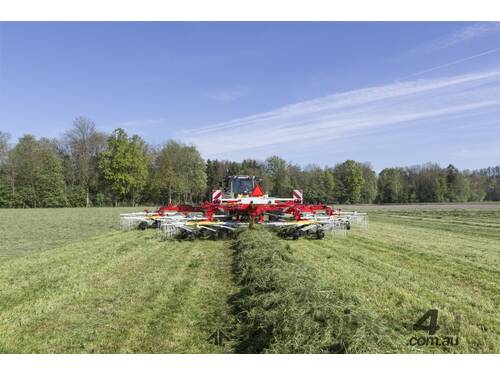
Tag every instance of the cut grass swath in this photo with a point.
(283, 308)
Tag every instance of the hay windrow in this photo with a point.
(283, 308)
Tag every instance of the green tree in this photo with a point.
(390, 187)
(168, 176)
(4, 182)
(430, 184)
(139, 167)
(298, 178)
(151, 191)
(4, 147)
(348, 182)
(492, 185)
(36, 174)
(181, 172)
(317, 184)
(328, 184)
(4, 191)
(279, 176)
(408, 178)
(311, 184)
(457, 185)
(83, 143)
(50, 187)
(369, 192)
(123, 165)
(216, 173)
(494, 191)
(478, 185)
(23, 162)
(255, 168)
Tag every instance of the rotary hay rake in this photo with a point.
(244, 205)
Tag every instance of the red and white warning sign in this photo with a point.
(216, 195)
(297, 196)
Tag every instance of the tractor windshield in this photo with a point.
(242, 185)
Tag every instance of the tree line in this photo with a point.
(86, 167)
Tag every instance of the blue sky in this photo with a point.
(389, 93)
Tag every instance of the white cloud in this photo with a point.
(325, 122)
(455, 62)
(464, 34)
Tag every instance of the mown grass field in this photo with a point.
(71, 282)
(79, 285)
(26, 230)
(412, 260)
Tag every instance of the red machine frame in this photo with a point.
(254, 211)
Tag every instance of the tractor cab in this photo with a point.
(240, 186)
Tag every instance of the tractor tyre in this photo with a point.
(320, 234)
(221, 235)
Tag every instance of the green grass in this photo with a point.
(26, 230)
(115, 293)
(283, 307)
(409, 261)
(71, 282)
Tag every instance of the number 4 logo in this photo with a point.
(432, 327)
